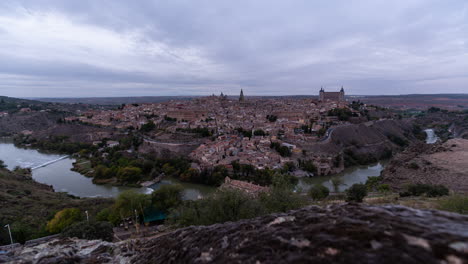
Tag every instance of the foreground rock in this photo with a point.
(347, 233)
(444, 164)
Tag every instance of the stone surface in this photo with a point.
(347, 233)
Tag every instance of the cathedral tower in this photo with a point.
(241, 97)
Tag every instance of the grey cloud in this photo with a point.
(274, 47)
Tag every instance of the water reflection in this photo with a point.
(348, 177)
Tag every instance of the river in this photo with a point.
(63, 179)
(348, 177)
(431, 136)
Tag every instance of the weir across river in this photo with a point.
(49, 162)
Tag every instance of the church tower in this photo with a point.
(241, 97)
(342, 98)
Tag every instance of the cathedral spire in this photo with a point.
(241, 97)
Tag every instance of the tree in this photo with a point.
(356, 193)
(167, 197)
(129, 174)
(148, 126)
(90, 230)
(223, 206)
(309, 166)
(129, 201)
(319, 192)
(259, 132)
(336, 182)
(64, 218)
(2, 164)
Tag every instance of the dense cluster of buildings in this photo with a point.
(243, 129)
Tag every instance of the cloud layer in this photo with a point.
(174, 47)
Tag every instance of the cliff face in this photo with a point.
(444, 164)
(348, 233)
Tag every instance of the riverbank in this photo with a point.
(83, 166)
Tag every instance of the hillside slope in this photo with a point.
(30, 204)
(443, 163)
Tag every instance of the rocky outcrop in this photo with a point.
(442, 163)
(347, 233)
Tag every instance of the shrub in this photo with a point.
(372, 182)
(437, 190)
(2, 164)
(89, 230)
(383, 188)
(63, 219)
(427, 189)
(413, 165)
(356, 193)
(456, 204)
(259, 132)
(319, 192)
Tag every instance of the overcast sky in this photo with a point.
(133, 48)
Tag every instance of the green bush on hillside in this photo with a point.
(425, 189)
(63, 219)
(319, 192)
(356, 193)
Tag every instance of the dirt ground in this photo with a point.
(445, 164)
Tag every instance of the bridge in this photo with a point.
(49, 162)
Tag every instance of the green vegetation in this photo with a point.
(170, 119)
(319, 192)
(63, 219)
(245, 133)
(259, 132)
(418, 132)
(413, 165)
(89, 230)
(27, 206)
(284, 151)
(232, 205)
(202, 131)
(456, 204)
(383, 188)
(356, 105)
(56, 143)
(356, 193)
(351, 158)
(373, 182)
(167, 197)
(398, 140)
(272, 118)
(428, 190)
(148, 127)
(343, 114)
(308, 165)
